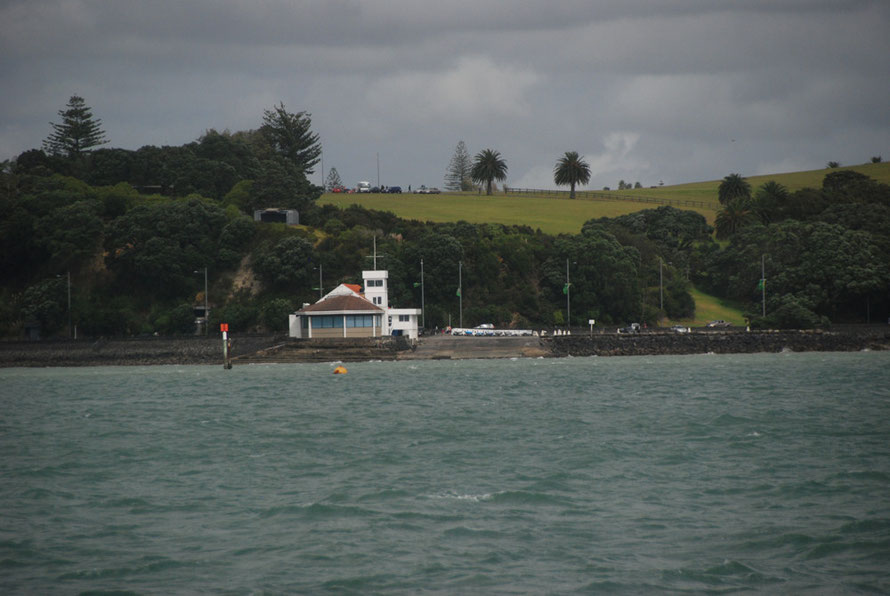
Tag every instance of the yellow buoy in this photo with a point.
(340, 370)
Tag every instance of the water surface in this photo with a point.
(699, 474)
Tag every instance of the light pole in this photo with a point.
(460, 266)
(568, 298)
(763, 282)
(422, 307)
(206, 308)
(660, 284)
(68, 275)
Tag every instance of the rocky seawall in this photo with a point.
(134, 352)
(255, 349)
(720, 342)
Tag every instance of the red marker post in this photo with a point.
(224, 327)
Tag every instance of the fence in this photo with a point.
(601, 195)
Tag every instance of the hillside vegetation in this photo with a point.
(106, 242)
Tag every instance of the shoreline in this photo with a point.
(257, 349)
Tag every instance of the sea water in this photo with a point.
(698, 474)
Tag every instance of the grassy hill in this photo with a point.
(554, 214)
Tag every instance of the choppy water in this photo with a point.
(768, 473)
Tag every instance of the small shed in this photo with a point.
(290, 217)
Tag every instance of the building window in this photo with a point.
(359, 321)
(327, 322)
(404, 318)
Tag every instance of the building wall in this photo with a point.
(327, 333)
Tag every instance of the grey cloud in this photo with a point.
(646, 90)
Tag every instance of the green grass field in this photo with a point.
(552, 216)
(557, 215)
(707, 191)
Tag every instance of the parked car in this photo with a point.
(395, 190)
(680, 329)
(632, 328)
(421, 190)
(363, 187)
(338, 189)
(719, 323)
(434, 191)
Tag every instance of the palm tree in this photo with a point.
(769, 201)
(571, 169)
(488, 166)
(733, 187)
(734, 216)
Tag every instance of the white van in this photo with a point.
(363, 187)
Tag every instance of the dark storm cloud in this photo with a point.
(673, 90)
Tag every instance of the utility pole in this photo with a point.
(320, 290)
(422, 290)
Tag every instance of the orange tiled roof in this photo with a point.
(341, 303)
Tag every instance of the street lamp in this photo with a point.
(422, 291)
(206, 309)
(568, 298)
(68, 274)
(660, 284)
(460, 266)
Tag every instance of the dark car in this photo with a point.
(395, 190)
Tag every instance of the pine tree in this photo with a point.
(78, 131)
(333, 180)
(458, 175)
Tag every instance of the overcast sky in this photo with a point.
(647, 90)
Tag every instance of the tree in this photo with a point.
(769, 201)
(733, 187)
(78, 131)
(290, 136)
(333, 180)
(571, 169)
(487, 167)
(458, 175)
(734, 215)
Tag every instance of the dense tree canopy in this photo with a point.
(135, 230)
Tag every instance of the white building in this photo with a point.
(346, 312)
